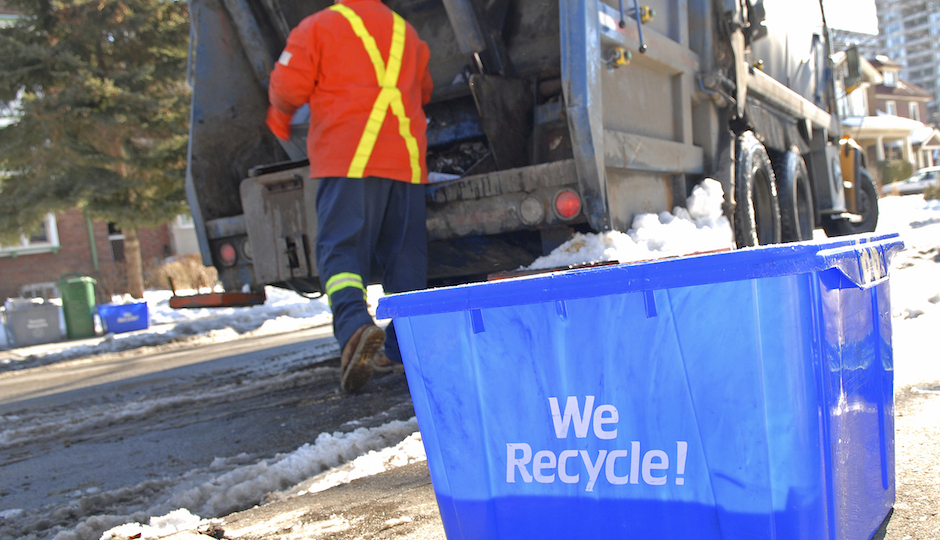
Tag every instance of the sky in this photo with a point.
(852, 15)
(331, 459)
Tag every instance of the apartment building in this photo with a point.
(909, 34)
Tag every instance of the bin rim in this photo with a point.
(105, 310)
(120, 304)
(76, 277)
(844, 254)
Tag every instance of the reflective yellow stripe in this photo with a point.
(360, 30)
(389, 96)
(395, 53)
(404, 128)
(371, 133)
(344, 280)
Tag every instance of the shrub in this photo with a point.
(111, 281)
(187, 272)
(932, 192)
(893, 170)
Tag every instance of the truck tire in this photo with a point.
(757, 209)
(797, 214)
(866, 205)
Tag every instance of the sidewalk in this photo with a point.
(8, 353)
(46, 348)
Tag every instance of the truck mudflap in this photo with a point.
(215, 300)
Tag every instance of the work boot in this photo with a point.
(356, 362)
(384, 364)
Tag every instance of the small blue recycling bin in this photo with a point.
(744, 394)
(118, 318)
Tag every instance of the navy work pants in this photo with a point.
(369, 228)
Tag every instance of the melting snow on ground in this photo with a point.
(282, 311)
(263, 478)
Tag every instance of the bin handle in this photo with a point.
(866, 265)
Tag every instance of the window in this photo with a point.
(891, 78)
(116, 238)
(914, 23)
(857, 104)
(185, 221)
(891, 108)
(45, 239)
(913, 111)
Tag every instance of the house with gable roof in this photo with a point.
(885, 114)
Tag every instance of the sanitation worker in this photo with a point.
(363, 70)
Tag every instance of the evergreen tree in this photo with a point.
(102, 115)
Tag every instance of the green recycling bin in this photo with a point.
(78, 305)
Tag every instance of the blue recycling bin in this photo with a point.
(745, 394)
(118, 318)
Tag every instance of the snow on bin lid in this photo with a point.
(863, 260)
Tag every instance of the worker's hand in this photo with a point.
(278, 123)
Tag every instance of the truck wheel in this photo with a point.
(866, 205)
(757, 209)
(797, 215)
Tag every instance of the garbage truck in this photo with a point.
(548, 117)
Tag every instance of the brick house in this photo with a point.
(903, 99)
(895, 96)
(68, 242)
(885, 114)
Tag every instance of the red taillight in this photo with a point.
(567, 204)
(227, 254)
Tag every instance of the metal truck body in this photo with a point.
(625, 106)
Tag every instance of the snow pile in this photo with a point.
(258, 481)
(282, 311)
(698, 228)
(159, 527)
(248, 484)
(279, 303)
(408, 451)
(223, 489)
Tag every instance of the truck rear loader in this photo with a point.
(548, 117)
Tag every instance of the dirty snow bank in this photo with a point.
(700, 227)
(223, 489)
(282, 311)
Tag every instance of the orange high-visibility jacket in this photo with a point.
(364, 72)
